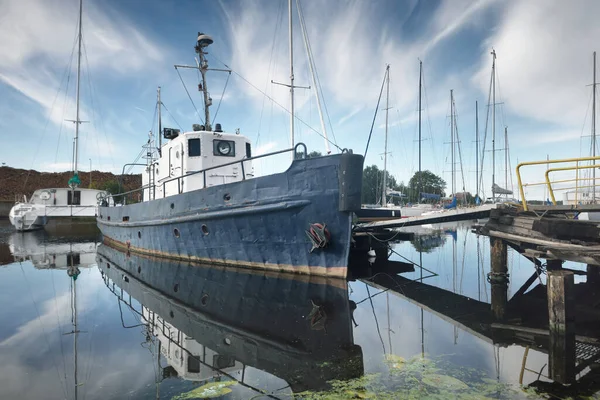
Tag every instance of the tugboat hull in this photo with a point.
(256, 223)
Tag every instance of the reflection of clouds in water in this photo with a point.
(32, 364)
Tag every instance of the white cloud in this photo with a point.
(36, 43)
(544, 58)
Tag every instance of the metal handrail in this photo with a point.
(203, 171)
(577, 167)
(547, 182)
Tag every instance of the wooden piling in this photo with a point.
(561, 312)
(593, 274)
(498, 277)
(553, 264)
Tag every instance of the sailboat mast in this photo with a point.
(419, 187)
(476, 150)
(77, 121)
(75, 332)
(291, 74)
(452, 171)
(159, 105)
(313, 74)
(387, 106)
(493, 121)
(506, 158)
(594, 131)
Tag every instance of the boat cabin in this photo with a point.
(64, 197)
(189, 161)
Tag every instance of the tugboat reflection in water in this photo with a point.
(217, 321)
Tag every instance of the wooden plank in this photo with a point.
(461, 214)
(548, 243)
(567, 229)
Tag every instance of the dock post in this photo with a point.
(561, 307)
(553, 264)
(498, 277)
(593, 274)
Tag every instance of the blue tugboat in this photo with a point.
(201, 202)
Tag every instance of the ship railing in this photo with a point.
(179, 179)
(297, 155)
(576, 183)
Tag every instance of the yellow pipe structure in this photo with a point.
(527, 163)
(576, 180)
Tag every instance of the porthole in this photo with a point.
(176, 288)
(108, 265)
(139, 235)
(171, 314)
(227, 341)
(176, 232)
(139, 269)
(204, 299)
(172, 206)
(204, 229)
(226, 197)
(177, 154)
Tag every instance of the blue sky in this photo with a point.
(544, 63)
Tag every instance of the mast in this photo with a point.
(506, 158)
(493, 121)
(452, 171)
(291, 74)
(387, 106)
(203, 42)
(419, 187)
(476, 151)
(73, 272)
(75, 332)
(594, 131)
(77, 120)
(159, 105)
(312, 74)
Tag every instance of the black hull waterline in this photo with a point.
(256, 223)
(260, 319)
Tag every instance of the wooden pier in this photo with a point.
(549, 232)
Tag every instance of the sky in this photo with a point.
(544, 66)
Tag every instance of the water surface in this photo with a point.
(148, 328)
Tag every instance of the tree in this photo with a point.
(426, 182)
(372, 185)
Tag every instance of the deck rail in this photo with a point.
(297, 155)
(551, 184)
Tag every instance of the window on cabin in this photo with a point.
(248, 151)
(73, 259)
(194, 147)
(193, 364)
(74, 197)
(224, 148)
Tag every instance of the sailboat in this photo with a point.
(589, 195)
(385, 211)
(420, 208)
(70, 204)
(202, 201)
(497, 190)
